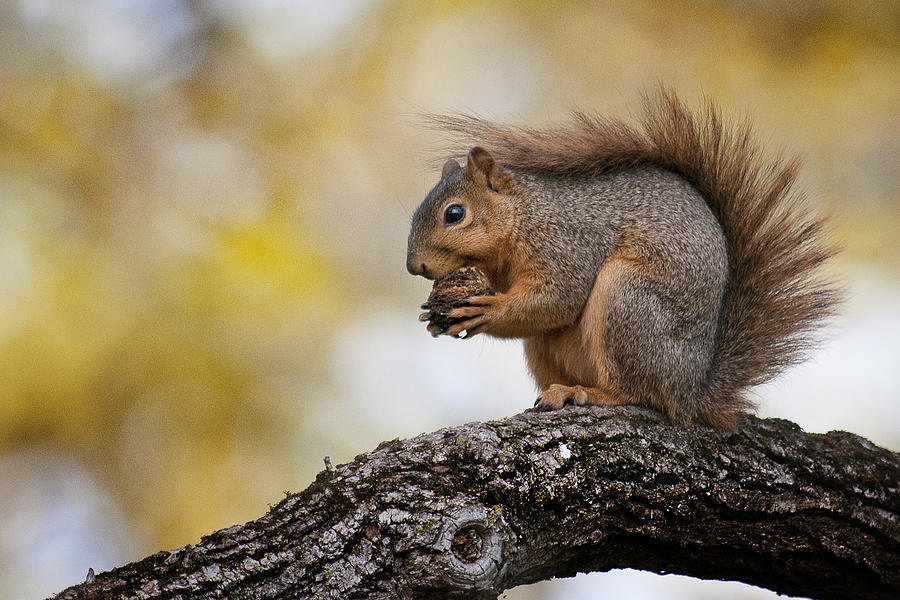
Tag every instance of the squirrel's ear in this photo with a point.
(481, 160)
(451, 166)
(480, 166)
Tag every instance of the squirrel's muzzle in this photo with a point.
(415, 265)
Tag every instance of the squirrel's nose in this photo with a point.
(415, 266)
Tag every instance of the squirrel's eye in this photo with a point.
(454, 214)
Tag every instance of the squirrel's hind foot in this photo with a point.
(557, 396)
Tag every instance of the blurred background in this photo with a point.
(203, 216)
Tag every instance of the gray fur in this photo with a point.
(718, 284)
(661, 330)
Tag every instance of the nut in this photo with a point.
(451, 290)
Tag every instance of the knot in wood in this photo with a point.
(468, 542)
(472, 548)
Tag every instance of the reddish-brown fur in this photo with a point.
(773, 296)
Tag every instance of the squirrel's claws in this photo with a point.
(557, 396)
(541, 406)
(425, 316)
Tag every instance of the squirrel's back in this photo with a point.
(774, 296)
(580, 220)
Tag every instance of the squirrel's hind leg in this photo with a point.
(579, 354)
(654, 346)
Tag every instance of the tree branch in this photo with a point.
(473, 510)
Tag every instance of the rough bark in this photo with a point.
(472, 510)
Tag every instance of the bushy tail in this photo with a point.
(775, 297)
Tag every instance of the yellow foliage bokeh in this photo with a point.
(189, 217)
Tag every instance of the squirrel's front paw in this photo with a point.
(477, 314)
(556, 396)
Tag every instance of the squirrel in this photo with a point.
(668, 265)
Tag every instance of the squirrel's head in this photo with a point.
(463, 219)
